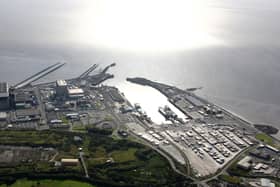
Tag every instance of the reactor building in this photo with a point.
(61, 88)
(4, 96)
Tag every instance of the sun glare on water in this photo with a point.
(147, 25)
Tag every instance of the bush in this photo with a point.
(230, 179)
(144, 154)
(95, 130)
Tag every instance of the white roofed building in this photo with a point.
(69, 162)
(75, 92)
(245, 163)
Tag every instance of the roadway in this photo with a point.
(224, 169)
(165, 155)
(81, 154)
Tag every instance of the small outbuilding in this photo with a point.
(245, 163)
(3, 116)
(69, 162)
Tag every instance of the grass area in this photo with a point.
(124, 156)
(48, 183)
(115, 136)
(85, 145)
(30, 138)
(265, 138)
(108, 118)
(99, 152)
(64, 120)
(96, 161)
(230, 179)
(135, 164)
(156, 162)
(78, 127)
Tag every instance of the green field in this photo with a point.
(268, 140)
(230, 179)
(48, 183)
(78, 127)
(31, 138)
(130, 162)
(265, 138)
(124, 156)
(65, 120)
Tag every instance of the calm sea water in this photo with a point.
(230, 47)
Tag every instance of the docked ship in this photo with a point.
(167, 112)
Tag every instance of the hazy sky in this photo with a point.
(140, 24)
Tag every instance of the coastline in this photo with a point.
(157, 86)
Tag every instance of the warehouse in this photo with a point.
(69, 162)
(75, 92)
(23, 115)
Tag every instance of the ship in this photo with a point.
(167, 112)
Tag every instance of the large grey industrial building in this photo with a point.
(4, 96)
(61, 88)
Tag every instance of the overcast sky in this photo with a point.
(145, 23)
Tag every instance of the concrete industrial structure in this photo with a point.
(3, 116)
(65, 90)
(23, 99)
(61, 88)
(4, 96)
(75, 92)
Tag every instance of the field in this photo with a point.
(230, 179)
(47, 183)
(124, 156)
(79, 127)
(31, 138)
(265, 138)
(108, 160)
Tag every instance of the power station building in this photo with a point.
(75, 92)
(4, 96)
(64, 90)
(61, 88)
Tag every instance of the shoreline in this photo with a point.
(156, 86)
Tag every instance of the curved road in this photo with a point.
(169, 159)
(204, 182)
